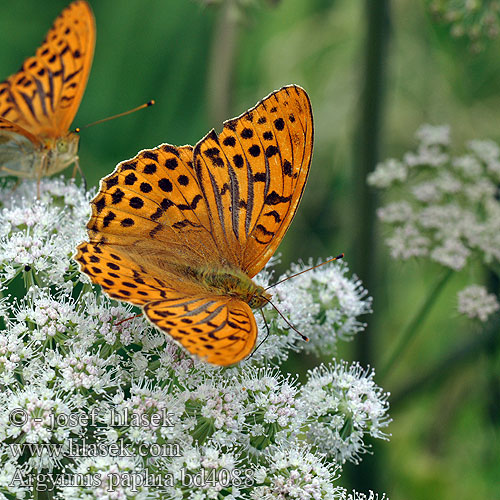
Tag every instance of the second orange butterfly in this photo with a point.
(38, 103)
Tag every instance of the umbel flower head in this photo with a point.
(475, 302)
(477, 22)
(442, 206)
(37, 236)
(118, 405)
(346, 405)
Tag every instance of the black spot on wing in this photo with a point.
(274, 214)
(129, 166)
(264, 236)
(246, 133)
(113, 181)
(171, 163)
(106, 221)
(150, 168)
(231, 125)
(279, 124)
(170, 149)
(254, 150)
(229, 141)
(117, 196)
(192, 205)
(150, 155)
(130, 179)
(273, 198)
(100, 204)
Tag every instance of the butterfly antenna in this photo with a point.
(125, 113)
(265, 338)
(305, 270)
(306, 339)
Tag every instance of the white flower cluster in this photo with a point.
(475, 302)
(37, 236)
(446, 207)
(443, 207)
(323, 303)
(343, 397)
(477, 22)
(97, 407)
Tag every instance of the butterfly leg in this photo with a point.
(265, 338)
(128, 319)
(16, 185)
(77, 168)
(10, 171)
(40, 172)
(38, 180)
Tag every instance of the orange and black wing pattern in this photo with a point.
(253, 174)
(172, 215)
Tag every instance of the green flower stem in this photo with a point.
(367, 142)
(416, 323)
(445, 367)
(28, 279)
(222, 59)
(46, 495)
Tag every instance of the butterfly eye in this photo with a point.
(62, 146)
(254, 302)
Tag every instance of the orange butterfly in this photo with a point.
(39, 102)
(181, 231)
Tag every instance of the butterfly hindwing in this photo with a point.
(219, 330)
(253, 174)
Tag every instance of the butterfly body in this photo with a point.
(181, 231)
(231, 283)
(39, 102)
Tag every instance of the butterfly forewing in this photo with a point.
(44, 95)
(152, 206)
(253, 175)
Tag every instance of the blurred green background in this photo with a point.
(374, 70)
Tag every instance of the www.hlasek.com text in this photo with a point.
(73, 448)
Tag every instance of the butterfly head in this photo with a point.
(68, 144)
(259, 299)
(61, 152)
